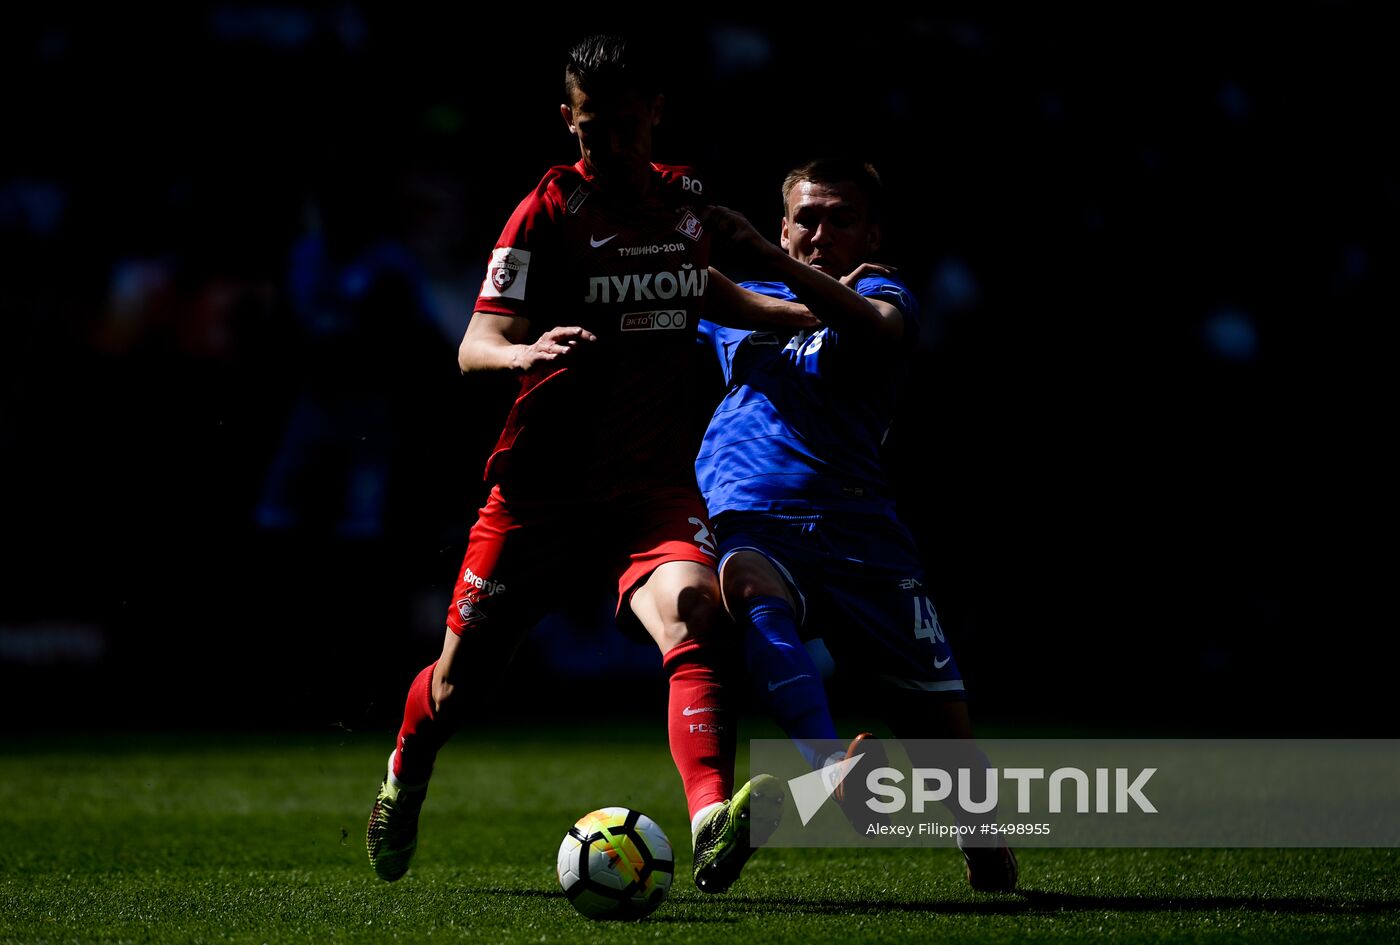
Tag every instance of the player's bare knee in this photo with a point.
(679, 601)
(696, 611)
(670, 635)
(698, 623)
(746, 575)
(698, 608)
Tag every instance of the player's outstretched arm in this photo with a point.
(833, 302)
(498, 343)
(736, 307)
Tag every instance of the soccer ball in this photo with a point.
(615, 863)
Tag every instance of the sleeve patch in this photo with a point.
(888, 291)
(506, 274)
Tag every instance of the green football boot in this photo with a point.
(731, 833)
(392, 836)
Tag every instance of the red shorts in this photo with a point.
(524, 557)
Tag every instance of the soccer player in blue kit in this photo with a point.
(792, 475)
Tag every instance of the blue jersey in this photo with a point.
(801, 426)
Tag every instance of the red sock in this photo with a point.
(422, 733)
(700, 724)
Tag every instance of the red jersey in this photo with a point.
(616, 417)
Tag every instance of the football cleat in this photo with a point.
(862, 744)
(851, 798)
(991, 869)
(729, 835)
(392, 836)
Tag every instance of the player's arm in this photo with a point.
(734, 306)
(834, 302)
(500, 343)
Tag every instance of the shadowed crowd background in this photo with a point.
(1142, 446)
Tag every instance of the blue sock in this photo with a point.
(784, 676)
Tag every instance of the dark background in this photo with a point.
(1143, 448)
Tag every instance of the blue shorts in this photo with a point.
(859, 587)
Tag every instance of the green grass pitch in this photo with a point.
(261, 839)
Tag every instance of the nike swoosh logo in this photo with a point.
(596, 243)
(783, 682)
(940, 663)
(689, 711)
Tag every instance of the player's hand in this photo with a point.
(732, 226)
(552, 345)
(865, 269)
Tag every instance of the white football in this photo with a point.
(615, 863)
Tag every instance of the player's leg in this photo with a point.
(492, 608)
(450, 690)
(884, 629)
(935, 728)
(678, 606)
(669, 588)
(880, 626)
(763, 601)
(429, 719)
(938, 734)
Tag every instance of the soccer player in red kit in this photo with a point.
(592, 297)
